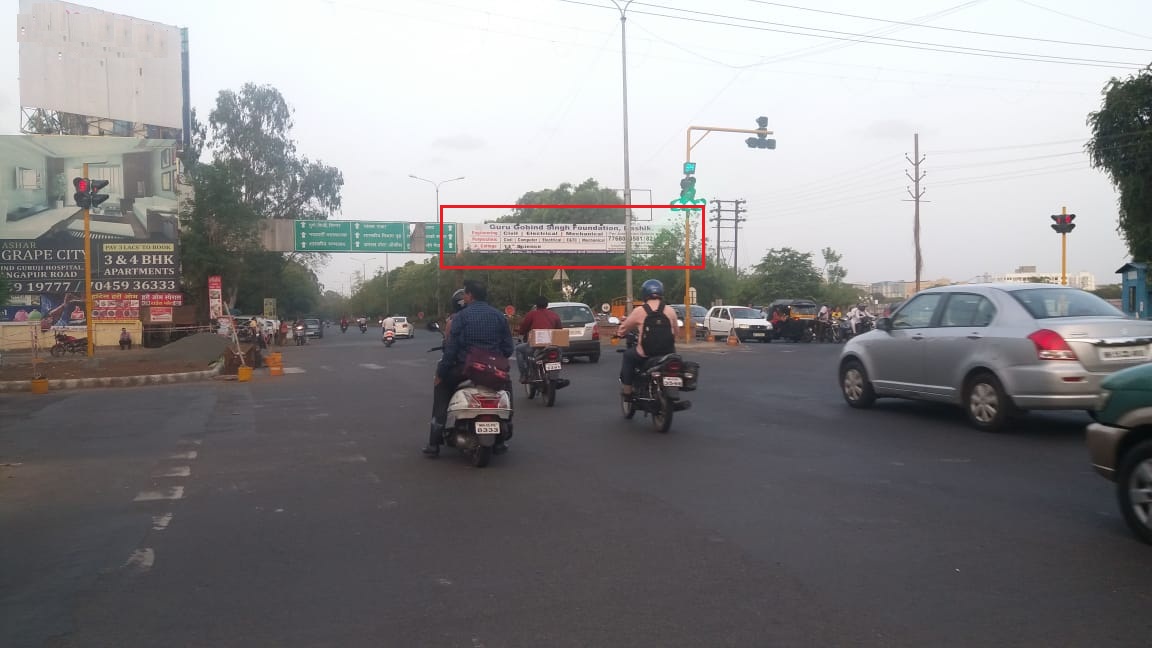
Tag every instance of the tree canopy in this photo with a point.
(1121, 145)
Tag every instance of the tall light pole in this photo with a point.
(627, 172)
(437, 185)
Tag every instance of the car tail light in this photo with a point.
(595, 332)
(1050, 346)
(484, 401)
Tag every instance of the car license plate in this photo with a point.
(552, 366)
(487, 427)
(1130, 353)
(673, 382)
(757, 335)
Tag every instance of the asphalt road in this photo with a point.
(298, 511)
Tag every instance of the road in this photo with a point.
(298, 511)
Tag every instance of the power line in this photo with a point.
(872, 40)
(1084, 20)
(1037, 144)
(951, 29)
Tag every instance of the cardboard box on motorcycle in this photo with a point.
(548, 337)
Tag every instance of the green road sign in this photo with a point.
(370, 236)
(432, 238)
(323, 236)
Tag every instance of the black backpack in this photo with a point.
(657, 339)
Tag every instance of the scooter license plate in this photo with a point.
(552, 366)
(487, 427)
(673, 382)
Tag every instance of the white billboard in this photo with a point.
(85, 61)
(557, 238)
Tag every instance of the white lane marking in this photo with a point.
(354, 459)
(160, 522)
(174, 471)
(188, 454)
(327, 368)
(170, 493)
(141, 560)
(293, 370)
(371, 365)
(443, 581)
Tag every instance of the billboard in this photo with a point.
(84, 61)
(134, 234)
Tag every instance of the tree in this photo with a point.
(1110, 291)
(834, 273)
(785, 273)
(1121, 145)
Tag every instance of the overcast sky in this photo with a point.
(519, 95)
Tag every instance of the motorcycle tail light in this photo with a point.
(483, 401)
(674, 366)
(553, 355)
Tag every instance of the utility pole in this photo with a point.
(627, 174)
(917, 193)
(728, 248)
(88, 302)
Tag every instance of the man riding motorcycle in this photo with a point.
(538, 318)
(344, 324)
(475, 324)
(652, 292)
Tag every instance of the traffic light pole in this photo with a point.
(88, 276)
(688, 146)
(1063, 252)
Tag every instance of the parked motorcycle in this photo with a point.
(67, 344)
(544, 365)
(478, 417)
(301, 335)
(389, 338)
(657, 384)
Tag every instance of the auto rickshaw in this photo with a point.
(792, 319)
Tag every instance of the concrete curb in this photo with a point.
(119, 381)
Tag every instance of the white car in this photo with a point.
(745, 323)
(403, 328)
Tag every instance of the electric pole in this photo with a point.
(728, 248)
(917, 193)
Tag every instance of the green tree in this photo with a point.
(1110, 291)
(1121, 145)
(588, 192)
(785, 273)
(834, 273)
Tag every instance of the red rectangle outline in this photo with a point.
(703, 244)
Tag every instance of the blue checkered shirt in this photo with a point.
(479, 325)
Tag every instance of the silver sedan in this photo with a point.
(996, 349)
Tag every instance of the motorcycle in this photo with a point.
(301, 335)
(543, 375)
(478, 417)
(67, 344)
(656, 386)
(343, 327)
(363, 327)
(389, 338)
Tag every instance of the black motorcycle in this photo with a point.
(343, 327)
(67, 344)
(657, 384)
(363, 327)
(544, 374)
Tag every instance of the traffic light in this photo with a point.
(761, 140)
(688, 189)
(95, 198)
(82, 198)
(1062, 223)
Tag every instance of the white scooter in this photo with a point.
(478, 418)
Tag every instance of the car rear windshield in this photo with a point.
(1047, 303)
(745, 313)
(573, 315)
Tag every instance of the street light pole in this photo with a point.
(437, 186)
(627, 171)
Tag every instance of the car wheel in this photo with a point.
(594, 358)
(987, 406)
(855, 386)
(1134, 490)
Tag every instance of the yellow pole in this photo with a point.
(88, 276)
(688, 337)
(1064, 253)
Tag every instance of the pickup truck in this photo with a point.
(745, 323)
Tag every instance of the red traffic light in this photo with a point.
(81, 184)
